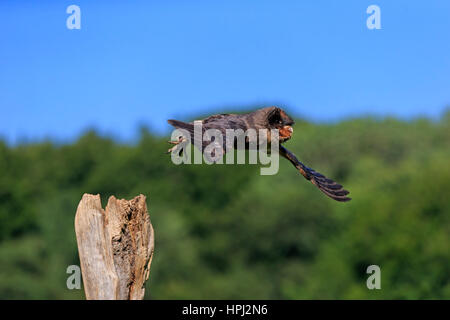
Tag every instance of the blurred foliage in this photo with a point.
(225, 231)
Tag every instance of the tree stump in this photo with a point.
(115, 246)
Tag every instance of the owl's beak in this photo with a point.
(289, 128)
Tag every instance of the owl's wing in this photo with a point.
(331, 188)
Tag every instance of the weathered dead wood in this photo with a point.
(115, 247)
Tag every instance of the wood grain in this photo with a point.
(115, 246)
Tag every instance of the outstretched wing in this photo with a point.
(329, 187)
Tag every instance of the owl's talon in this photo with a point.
(175, 143)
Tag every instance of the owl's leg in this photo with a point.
(176, 143)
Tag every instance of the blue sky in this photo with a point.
(141, 62)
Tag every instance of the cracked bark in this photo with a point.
(115, 246)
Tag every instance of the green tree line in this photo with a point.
(226, 232)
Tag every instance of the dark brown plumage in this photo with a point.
(266, 118)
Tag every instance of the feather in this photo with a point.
(327, 186)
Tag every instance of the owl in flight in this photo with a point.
(266, 118)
